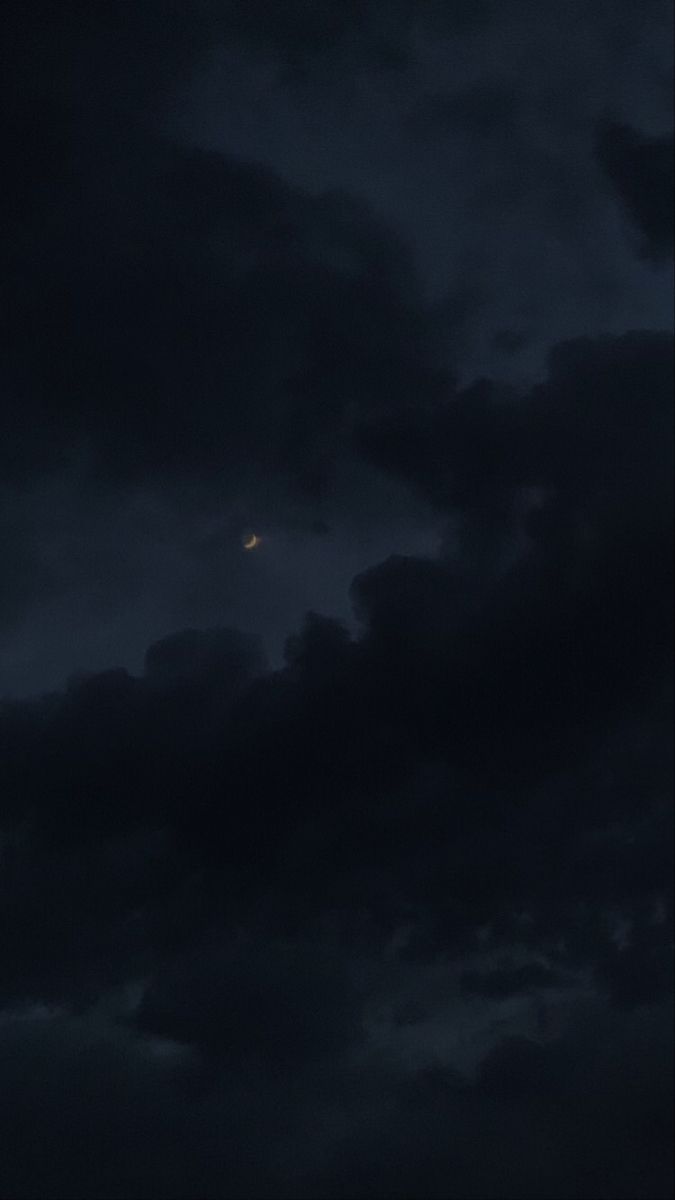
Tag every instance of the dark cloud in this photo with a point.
(438, 1125)
(510, 980)
(477, 111)
(424, 1128)
(228, 657)
(580, 434)
(142, 272)
(273, 1006)
(305, 37)
(390, 914)
(24, 576)
(167, 286)
(641, 170)
(288, 782)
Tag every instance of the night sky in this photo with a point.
(338, 867)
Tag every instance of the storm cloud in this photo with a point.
(339, 867)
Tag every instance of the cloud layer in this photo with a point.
(388, 911)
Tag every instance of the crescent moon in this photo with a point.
(251, 541)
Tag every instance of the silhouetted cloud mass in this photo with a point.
(340, 867)
(641, 170)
